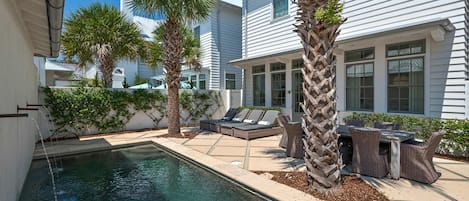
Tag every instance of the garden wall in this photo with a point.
(86, 111)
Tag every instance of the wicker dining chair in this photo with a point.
(356, 123)
(417, 159)
(282, 120)
(367, 159)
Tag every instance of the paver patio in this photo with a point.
(264, 155)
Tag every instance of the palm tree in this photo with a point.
(317, 25)
(100, 31)
(153, 54)
(177, 13)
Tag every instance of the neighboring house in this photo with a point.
(220, 41)
(30, 31)
(61, 74)
(399, 57)
(136, 67)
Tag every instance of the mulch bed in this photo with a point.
(454, 158)
(188, 135)
(353, 188)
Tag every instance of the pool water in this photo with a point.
(138, 173)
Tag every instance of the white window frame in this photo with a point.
(234, 80)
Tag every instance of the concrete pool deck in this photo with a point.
(222, 153)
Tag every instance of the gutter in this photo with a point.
(55, 10)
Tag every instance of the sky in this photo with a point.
(72, 5)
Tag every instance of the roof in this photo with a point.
(146, 26)
(238, 3)
(54, 66)
(43, 20)
(368, 33)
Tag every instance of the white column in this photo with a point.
(268, 86)
(288, 89)
(380, 79)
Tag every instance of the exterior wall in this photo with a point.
(19, 86)
(230, 43)
(446, 62)
(130, 70)
(220, 42)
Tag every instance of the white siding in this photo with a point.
(447, 61)
(18, 86)
(230, 42)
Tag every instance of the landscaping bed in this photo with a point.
(353, 188)
(188, 135)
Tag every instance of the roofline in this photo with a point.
(55, 10)
(443, 22)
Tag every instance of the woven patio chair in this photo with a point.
(367, 159)
(356, 123)
(417, 159)
(282, 120)
(295, 139)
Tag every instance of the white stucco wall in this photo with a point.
(18, 85)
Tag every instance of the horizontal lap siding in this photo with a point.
(266, 35)
(230, 36)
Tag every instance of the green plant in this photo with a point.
(196, 105)
(152, 104)
(103, 33)
(138, 80)
(79, 110)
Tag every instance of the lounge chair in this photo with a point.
(252, 118)
(417, 159)
(239, 117)
(367, 159)
(210, 123)
(263, 128)
(282, 120)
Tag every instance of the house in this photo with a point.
(30, 31)
(398, 57)
(220, 42)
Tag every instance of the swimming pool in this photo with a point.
(137, 173)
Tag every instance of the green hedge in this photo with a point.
(457, 131)
(78, 110)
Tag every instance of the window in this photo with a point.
(230, 81)
(360, 55)
(297, 63)
(202, 81)
(297, 84)
(406, 77)
(278, 89)
(280, 8)
(359, 87)
(278, 84)
(277, 66)
(406, 85)
(197, 32)
(408, 48)
(258, 85)
(359, 90)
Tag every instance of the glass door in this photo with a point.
(297, 95)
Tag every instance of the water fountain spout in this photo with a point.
(51, 172)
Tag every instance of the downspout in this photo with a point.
(55, 10)
(218, 42)
(245, 9)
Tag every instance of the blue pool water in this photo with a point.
(138, 173)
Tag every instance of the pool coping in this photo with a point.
(244, 177)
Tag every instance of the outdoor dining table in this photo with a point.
(394, 137)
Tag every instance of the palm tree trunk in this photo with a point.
(172, 63)
(322, 158)
(106, 68)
